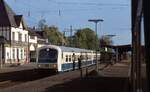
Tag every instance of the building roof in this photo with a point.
(8, 17)
(41, 33)
(34, 32)
(121, 48)
(18, 19)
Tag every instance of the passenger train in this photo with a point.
(61, 58)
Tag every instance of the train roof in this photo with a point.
(71, 49)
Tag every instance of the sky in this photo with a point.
(76, 13)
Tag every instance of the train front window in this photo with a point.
(48, 55)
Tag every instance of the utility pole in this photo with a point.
(96, 22)
(147, 40)
(71, 36)
(70, 31)
(137, 14)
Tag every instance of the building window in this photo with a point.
(13, 53)
(0, 33)
(25, 37)
(5, 34)
(24, 53)
(13, 36)
(20, 36)
(32, 37)
(21, 54)
(8, 55)
(7, 28)
(4, 28)
(1, 29)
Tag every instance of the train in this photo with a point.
(61, 58)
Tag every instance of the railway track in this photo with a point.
(16, 78)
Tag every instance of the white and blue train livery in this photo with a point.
(62, 58)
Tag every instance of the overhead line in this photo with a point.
(89, 3)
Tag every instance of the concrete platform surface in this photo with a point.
(13, 68)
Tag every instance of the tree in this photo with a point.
(104, 41)
(42, 24)
(54, 36)
(51, 33)
(86, 38)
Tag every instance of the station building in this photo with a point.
(13, 36)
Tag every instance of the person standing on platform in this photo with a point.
(79, 62)
(73, 61)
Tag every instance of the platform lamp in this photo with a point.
(96, 22)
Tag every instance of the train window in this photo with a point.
(88, 56)
(66, 58)
(83, 57)
(73, 57)
(69, 58)
(48, 55)
(76, 58)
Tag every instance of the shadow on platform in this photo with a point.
(93, 84)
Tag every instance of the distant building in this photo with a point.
(41, 38)
(13, 36)
(36, 39)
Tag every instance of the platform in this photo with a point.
(72, 82)
(14, 68)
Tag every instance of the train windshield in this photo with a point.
(48, 55)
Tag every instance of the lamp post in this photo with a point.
(96, 22)
(110, 35)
